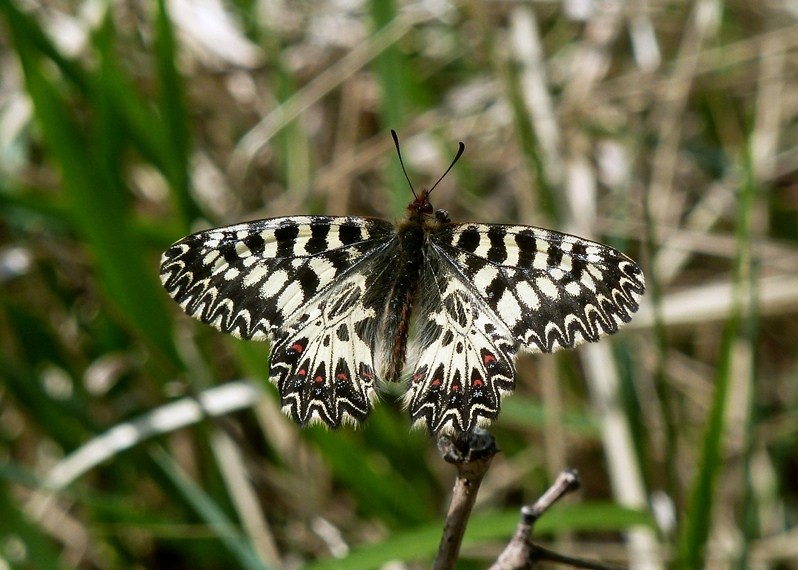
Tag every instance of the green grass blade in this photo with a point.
(391, 72)
(422, 542)
(24, 544)
(227, 533)
(173, 114)
(99, 206)
(22, 24)
(380, 491)
(697, 520)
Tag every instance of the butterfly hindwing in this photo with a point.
(464, 362)
(324, 363)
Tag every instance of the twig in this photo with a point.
(521, 553)
(471, 454)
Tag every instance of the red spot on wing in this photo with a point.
(477, 382)
(488, 359)
(296, 347)
(365, 372)
(420, 374)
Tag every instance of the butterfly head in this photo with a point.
(421, 208)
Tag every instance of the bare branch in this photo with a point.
(471, 454)
(521, 553)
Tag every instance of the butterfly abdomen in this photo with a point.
(400, 296)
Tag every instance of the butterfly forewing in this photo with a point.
(551, 290)
(252, 279)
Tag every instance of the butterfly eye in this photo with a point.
(423, 206)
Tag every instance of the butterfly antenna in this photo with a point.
(456, 158)
(402, 162)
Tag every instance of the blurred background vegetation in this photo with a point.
(134, 437)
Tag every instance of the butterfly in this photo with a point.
(348, 302)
